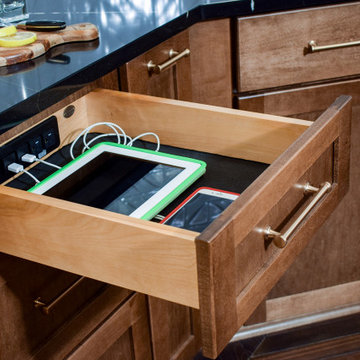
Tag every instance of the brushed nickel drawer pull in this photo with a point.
(280, 240)
(313, 47)
(46, 308)
(174, 56)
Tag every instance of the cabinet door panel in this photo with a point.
(211, 75)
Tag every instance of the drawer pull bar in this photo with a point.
(313, 47)
(280, 240)
(46, 308)
(174, 56)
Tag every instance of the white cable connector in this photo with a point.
(30, 158)
(17, 168)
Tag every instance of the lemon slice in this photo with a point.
(8, 30)
(18, 39)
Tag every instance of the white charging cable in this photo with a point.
(29, 158)
(85, 132)
(131, 142)
(17, 168)
(118, 132)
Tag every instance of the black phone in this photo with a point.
(199, 209)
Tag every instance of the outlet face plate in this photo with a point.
(44, 136)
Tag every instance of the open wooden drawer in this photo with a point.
(228, 269)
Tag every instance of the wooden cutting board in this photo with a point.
(47, 40)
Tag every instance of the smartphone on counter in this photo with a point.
(199, 209)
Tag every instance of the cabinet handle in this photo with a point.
(313, 47)
(46, 308)
(280, 240)
(174, 56)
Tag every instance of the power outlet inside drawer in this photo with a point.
(38, 141)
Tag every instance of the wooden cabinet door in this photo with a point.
(172, 82)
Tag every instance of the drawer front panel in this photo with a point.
(21, 283)
(114, 325)
(337, 261)
(237, 264)
(255, 251)
(127, 324)
(272, 49)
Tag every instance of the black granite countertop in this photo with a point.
(127, 28)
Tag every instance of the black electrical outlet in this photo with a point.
(7, 160)
(39, 140)
(22, 150)
(49, 138)
(36, 146)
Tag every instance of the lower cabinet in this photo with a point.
(224, 272)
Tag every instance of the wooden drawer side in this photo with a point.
(225, 306)
(228, 132)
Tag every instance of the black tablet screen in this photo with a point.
(114, 182)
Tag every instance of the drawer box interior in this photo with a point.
(205, 271)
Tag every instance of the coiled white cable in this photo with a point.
(118, 132)
(86, 131)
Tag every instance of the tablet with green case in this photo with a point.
(126, 180)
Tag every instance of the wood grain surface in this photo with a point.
(46, 41)
(272, 48)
